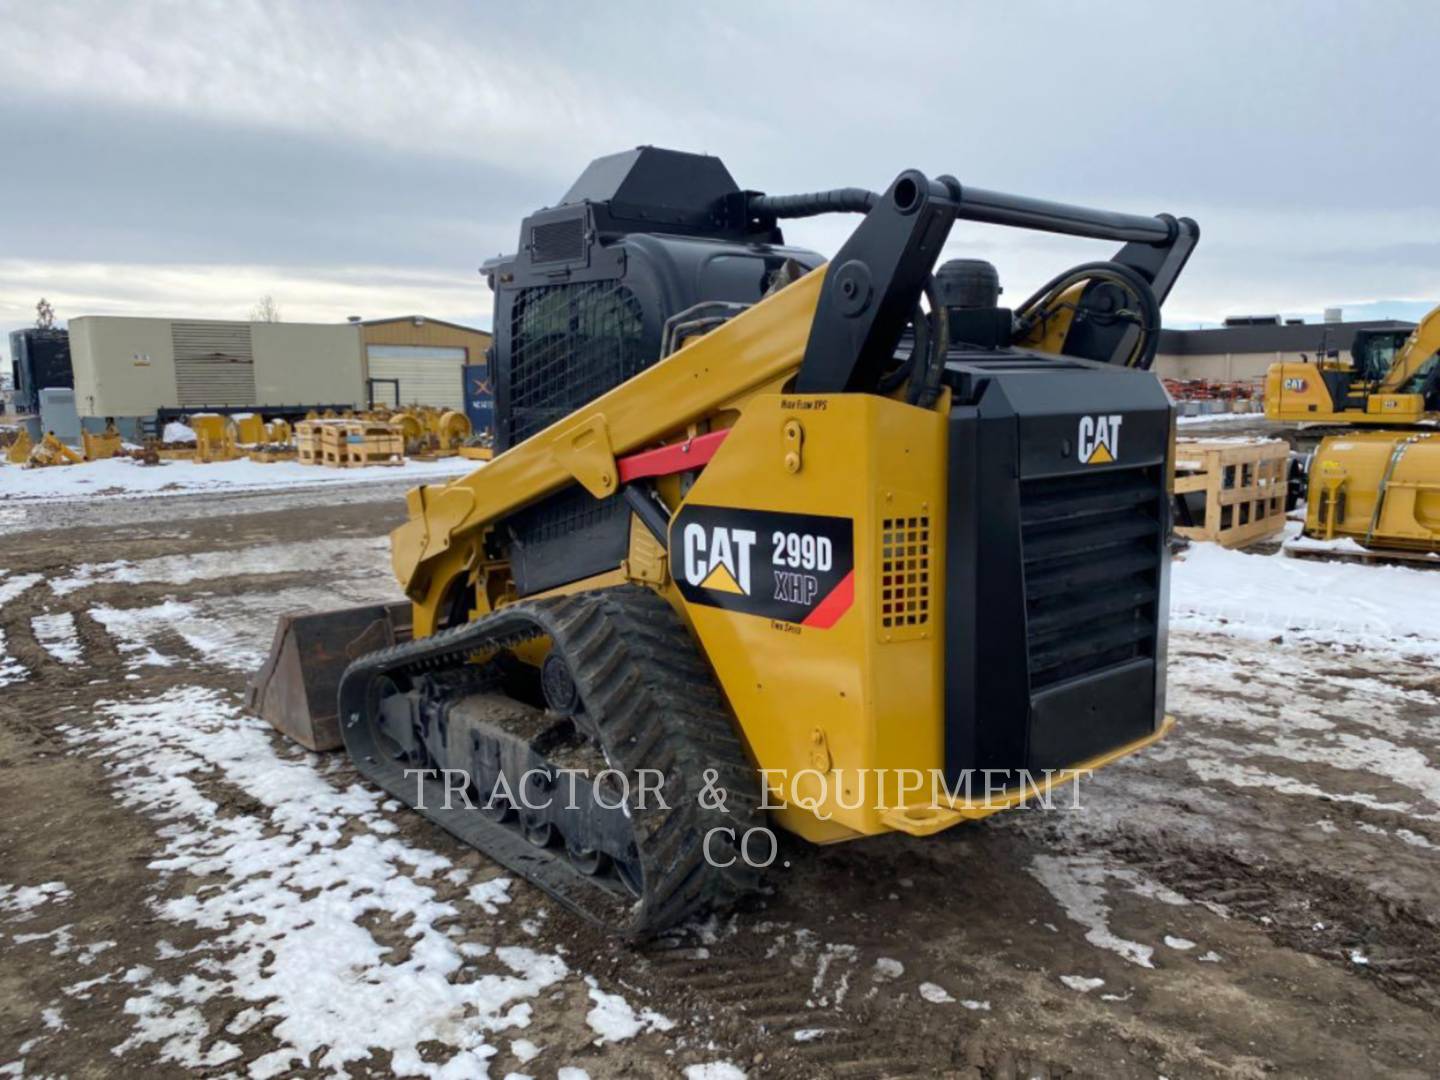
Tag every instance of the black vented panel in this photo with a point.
(1092, 564)
(569, 345)
(558, 241)
(565, 537)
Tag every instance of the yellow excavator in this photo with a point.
(845, 543)
(1392, 377)
(1380, 489)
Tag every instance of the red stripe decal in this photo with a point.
(827, 613)
(677, 457)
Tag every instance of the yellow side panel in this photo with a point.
(1395, 408)
(1296, 392)
(1380, 488)
(866, 693)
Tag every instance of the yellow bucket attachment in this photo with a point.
(1378, 488)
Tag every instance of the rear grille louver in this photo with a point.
(558, 241)
(1091, 545)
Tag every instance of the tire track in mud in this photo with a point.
(1391, 941)
(822, 979)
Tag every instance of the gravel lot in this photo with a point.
(180, 889)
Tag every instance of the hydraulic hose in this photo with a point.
(850, 200)
(925, 381)
(1045, 303)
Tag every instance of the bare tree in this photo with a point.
(266, 310)
(44, 315)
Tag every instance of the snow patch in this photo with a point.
(491, 894)
(1078, 884)
(125, 478)
(22, 900)
(614, 1020)
(11, 670)
(300, 557)
(11, 587)
(297, 882)
(887, 969)
(1389, 609)
(1081, 984)
(58, 635)
(935, 993)
(714, 1070)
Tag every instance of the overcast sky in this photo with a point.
(362, 159)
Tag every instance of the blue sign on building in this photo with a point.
(479, 398)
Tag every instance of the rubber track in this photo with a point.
(655, 703)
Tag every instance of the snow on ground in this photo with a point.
(1218, 418)
(311, 555)
(1244, 725)
(11, 670)
(58, 635)
(20, 901)
(614, 1020)
(235, 630)
(714, 1070)
(125, 478)
(1391, 609)
(11, 587)
(1078, 885)
(291, 891)
(232, 631)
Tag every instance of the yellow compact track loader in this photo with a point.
(846, 543)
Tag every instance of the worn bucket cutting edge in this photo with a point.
(296, 688)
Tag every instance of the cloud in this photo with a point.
(218, 291)
(199, 150)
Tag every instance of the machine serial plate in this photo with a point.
(794, 568)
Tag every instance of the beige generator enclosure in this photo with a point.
(133, 367)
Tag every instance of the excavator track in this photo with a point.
(644, 710)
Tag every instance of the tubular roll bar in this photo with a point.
(1022, 212)
(876, 278)
(981, 204)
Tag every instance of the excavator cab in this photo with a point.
(1373, 353)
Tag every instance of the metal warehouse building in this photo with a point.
(135, 369)
(1245, 347)
(413, 360)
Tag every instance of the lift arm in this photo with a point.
(1419, 347)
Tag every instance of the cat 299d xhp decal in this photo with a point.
(794, 568)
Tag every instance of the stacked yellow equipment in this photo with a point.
(1378, 488)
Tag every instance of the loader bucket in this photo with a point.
(296, 689)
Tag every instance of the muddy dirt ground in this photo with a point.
(1255, 896)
